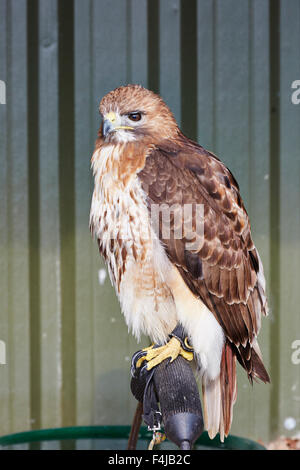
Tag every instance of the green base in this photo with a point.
(113, 433)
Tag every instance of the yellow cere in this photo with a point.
(111, 116)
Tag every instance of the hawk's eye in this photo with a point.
(135, 116)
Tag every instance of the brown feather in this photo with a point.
(227, 258)
(228, 385)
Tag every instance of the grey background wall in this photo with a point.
(226, 69)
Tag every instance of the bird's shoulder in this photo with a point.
(184, 172)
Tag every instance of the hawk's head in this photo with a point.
(134, 113)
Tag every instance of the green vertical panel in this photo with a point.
(206, 72)
(17, 218)
(137, 42)
(274, 279)
(34, 233)
(169, 55)
(4, 235)
(153, 45)
(85, 249)
(289, 326)
(18, 301)
(50, 266)
(67, 210)
(235, 115)
(109, 23)
(188, 75)
(231, 58)
(231, 121)
(258, 203)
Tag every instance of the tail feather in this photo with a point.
(228, 385)
(219, 396)
(212, 405)
(258, 368)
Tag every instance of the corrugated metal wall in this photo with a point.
(225, 68)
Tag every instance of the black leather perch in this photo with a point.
(170, 395)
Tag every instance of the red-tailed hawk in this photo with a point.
(214, 290)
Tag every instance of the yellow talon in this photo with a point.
(155, 356)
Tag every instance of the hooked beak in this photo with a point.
(109, 124)
(107, 127)
(112, 123)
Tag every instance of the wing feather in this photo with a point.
(226, 271)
